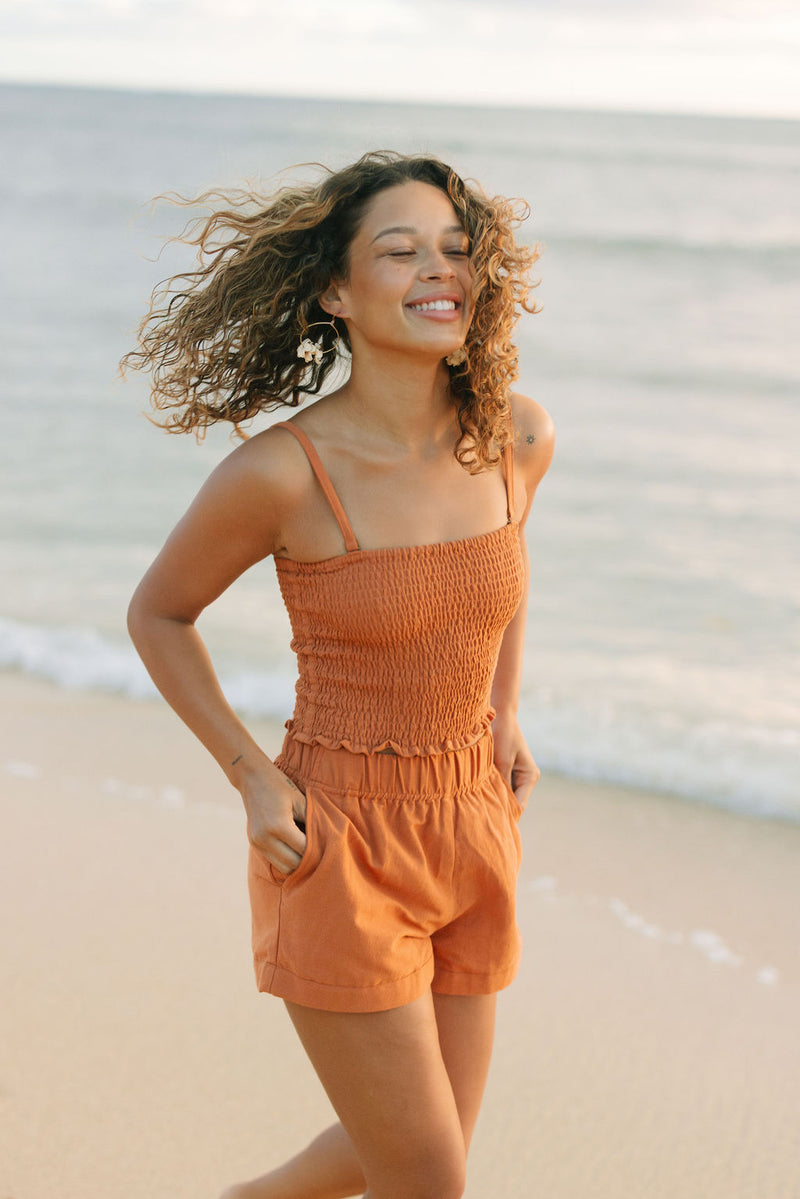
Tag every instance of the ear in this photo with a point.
(332, 300)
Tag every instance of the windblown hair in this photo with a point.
(221, 341)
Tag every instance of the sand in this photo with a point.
(649, 1048)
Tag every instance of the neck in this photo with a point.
(400, 400)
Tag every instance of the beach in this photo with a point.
(647, 1048)
(664, 646)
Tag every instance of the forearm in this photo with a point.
(178, 663)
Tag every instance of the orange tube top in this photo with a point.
(396, 648)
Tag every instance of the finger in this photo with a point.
(283, 845)
(290, 860)
(522, 795)
(522, 784)
(299, 810)
(279, 855)
(293, 837)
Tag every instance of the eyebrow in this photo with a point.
(411, 229)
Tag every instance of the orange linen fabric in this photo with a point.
(408, 877)
(407, 881)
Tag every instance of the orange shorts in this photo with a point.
(408, 881)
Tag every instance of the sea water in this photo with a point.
(664, 641)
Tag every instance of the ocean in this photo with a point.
(664, 640)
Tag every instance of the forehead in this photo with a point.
(413, 204)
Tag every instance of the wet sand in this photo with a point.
(649, 1046)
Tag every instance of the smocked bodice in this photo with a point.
(396, 648)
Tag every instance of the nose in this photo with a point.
(437, 266)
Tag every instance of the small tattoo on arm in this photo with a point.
(530, 438)
(235, 760)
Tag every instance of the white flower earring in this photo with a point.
(457, 357)
(312, 351)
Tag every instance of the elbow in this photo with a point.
(137, 616)
(142, 614)
(148, 617)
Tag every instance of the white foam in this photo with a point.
(166, 794)
(21, 770)
(742, 767)
(81, 659)
(545, 884)
(635, 922)
(733, 764)
(712, 946)
(75, 658)
(172, 797)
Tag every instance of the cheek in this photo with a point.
(386, 285)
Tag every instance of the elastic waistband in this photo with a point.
(387, 775)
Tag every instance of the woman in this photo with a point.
(383, 840)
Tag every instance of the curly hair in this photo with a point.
(221, 341)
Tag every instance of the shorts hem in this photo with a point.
(328, 997)
(451, 982)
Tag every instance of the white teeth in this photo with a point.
(435, 306)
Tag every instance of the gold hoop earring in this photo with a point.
(312, 351)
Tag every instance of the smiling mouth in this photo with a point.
(434, 306)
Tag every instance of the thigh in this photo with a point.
(466, 1035)
(386, 1078)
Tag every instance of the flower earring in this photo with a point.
(457, 357)
(312, 351)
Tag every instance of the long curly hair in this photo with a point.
(221, 341)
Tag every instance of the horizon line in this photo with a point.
(596, 107)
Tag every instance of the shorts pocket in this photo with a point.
(303, 866)
(264, 869)
(514, 804)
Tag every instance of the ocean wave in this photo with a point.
(81, 659)
(743, 768)
(737, 767)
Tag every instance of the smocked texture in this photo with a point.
(396, 648)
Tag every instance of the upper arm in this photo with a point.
(534, 445)
(234, 521)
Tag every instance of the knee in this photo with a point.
(431, 1175)
(446, 1184)
(449, 1185)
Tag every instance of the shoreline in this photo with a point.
(645, 1047)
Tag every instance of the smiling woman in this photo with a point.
(221, 341)
(384, 846)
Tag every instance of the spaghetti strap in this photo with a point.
(350, 543)
(508, 464)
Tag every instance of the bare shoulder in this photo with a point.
(271, 462)
(248, 500)
(535, 438)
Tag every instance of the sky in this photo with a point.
(731, 57)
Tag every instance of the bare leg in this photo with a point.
(383, 1073)
(326, 1169)
(329, 1167)
(466, 1036)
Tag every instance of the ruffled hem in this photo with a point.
(389, 745)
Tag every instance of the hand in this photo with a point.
(513, 758)
(274, 805)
